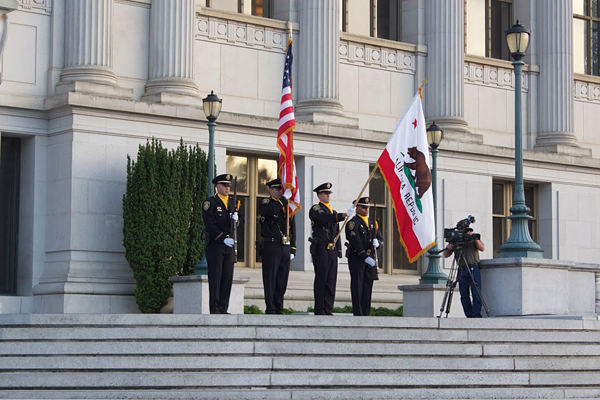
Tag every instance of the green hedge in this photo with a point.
(375, 312)
(162, 218)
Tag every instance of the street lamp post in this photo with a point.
(434, 273)
(212, 108)
(519, 243)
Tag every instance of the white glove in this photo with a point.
(287, 194)
(351, 212)
(234, 216)
(229, 242)
(370, 261)
(291, 257)
(376, 243)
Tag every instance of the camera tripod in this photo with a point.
(453, 281)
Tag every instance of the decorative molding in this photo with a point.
(377, 56)
(240, 33)
(36, 6)
(492, 75)
(587, 91)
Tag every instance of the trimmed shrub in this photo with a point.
(162, 218)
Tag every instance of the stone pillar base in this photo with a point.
(426, 300)
(456, 128)
(97, 89)
(190, 294)
(531, 286)
(68, 303)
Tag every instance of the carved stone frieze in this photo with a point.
(241, 33)
(373, 56)
(36, 6)
(490, 75)
(587, 91)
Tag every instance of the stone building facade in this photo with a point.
(85, 82)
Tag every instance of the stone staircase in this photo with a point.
(76, 356)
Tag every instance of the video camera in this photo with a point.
(458, 236)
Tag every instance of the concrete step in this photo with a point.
(297, 356)
(558, 393)
(193, 362)
(290, 380)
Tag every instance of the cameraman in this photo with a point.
(466, 280)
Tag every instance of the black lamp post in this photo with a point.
(519, 243)
(212, 108)
(434, 273)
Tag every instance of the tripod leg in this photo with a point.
(450, 284)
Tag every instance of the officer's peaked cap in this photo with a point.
(274, 183)
(323, 188)
(364, 201)
(225, 179)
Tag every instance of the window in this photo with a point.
(486, 23)
(10, 155)
(376, 18)
(502, 198)
(391, 256)
(252, 173)
(586, 43)
(498, 20)
(260, 8)
(385, 19)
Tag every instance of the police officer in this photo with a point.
(363, 240)
(325, 227)
(218, 212)
(276, 255)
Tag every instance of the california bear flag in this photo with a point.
(405, 166)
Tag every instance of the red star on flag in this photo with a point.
(415, 123)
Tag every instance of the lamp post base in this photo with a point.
(434, 274)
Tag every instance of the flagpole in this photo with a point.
(354, 205)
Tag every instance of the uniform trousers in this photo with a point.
(326, 267)
(467, 284)
(220, 276)
(275, 274)
(361, 285)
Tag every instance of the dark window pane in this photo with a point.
(529, 200)
(262, 8)
(9, 210)
(377, 189)
(595, 11)
(498, 224)
(595, 48)
(241, 233)
(388, 19)
(500, 21)
(238, 166)
(267, 171)
(586, 46)
(498, 198)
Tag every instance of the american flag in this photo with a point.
(285, 141)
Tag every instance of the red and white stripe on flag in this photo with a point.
(285, 139)
(406, 168)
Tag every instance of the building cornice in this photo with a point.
(80, 103)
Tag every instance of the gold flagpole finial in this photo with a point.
(420, 89)
(289, 25)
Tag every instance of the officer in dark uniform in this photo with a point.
(363, 239)
(278, 249)
(324, 229)
(218, 212)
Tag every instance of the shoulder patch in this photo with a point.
(265, 201)
(351, 225)
(316, 207)
(206, 205)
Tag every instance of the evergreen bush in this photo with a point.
(162, 218)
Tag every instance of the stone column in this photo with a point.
(318, 59)
(444, 92)
(555, 58)
(88, 49)
(171, 64)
